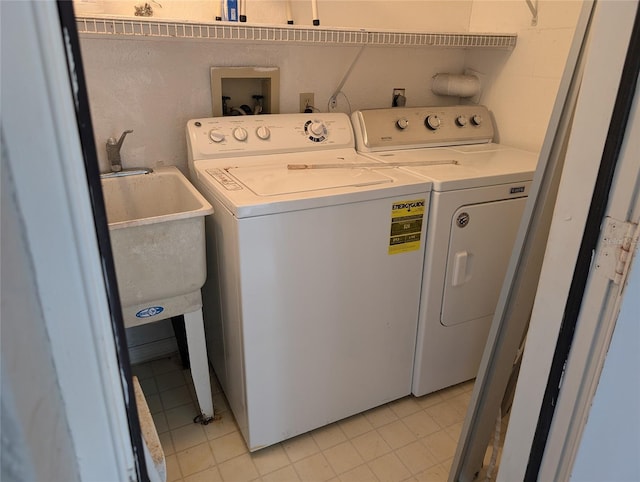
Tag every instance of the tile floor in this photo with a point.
(411, 439)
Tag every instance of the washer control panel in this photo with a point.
(237, 136)
(413, 127)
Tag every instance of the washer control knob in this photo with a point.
(216, 136)
(432, 122)
(240, 134)
(318, 128)
(461, 121)
(476, 120)
(263, 133)
(402, 123)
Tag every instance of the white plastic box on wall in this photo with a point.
(245, 90)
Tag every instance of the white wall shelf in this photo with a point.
(116, 27)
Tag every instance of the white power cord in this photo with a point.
(494, 450)
(333, 99)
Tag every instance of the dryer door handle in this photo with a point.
(461, 262)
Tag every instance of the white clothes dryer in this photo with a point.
(313, 313)
(478, 197)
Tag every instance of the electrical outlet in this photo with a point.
(306, 101)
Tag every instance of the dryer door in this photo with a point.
(480, 243)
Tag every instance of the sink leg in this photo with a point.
(194, 326)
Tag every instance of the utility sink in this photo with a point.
(156, 224)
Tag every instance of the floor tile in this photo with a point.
(445, 414)
(187, 437)
(314, 468)
(454, 430)
(209, 475)
(180, 416)
(380, 416)
(421, 424)
(223, 424)
(460, 402)
(173, 469)
(371, 445)
(429, 400)
(239, 469)
(165, 365)
(169, 380)
(154, 403)
(300, 447)
(360, 474)
(228, 446)
(405, 406)
(343, 457)
(166, 443)
(175, 397)
(416, 457)
(195, 459)
(148, 385)
(220, 403)
(270, 459)
(441, 445)
(160, 421)
(286, 474)
(328, 436)
(410, 439)
(396, 434)
(142, 371)
(354, 426)
(389, 468)
(437, 473)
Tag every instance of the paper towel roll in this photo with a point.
(456, 85)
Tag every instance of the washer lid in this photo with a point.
(260, 185)
(279, 180)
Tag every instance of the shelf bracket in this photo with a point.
(534, 11)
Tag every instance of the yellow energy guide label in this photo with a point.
(406, 225)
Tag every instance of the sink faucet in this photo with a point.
(113, 155)
(113, 151)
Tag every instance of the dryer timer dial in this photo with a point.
(240, 134)
(263, 133)
(402, 123)
(315, 130)
(216, 136)
(432, 122)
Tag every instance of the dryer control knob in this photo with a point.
(476, 120)
(216, 136)
(263, 133)
(318, 128)
(402, 123)
(461, 121)
(240, 134)
(432, 122)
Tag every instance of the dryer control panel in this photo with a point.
(223, 137)
(414, 127)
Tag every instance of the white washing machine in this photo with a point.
(479, 194)
(313, 313)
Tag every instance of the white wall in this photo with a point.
(410, 15)
(520, 90)
(155, 86)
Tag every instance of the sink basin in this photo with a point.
(156, 225)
